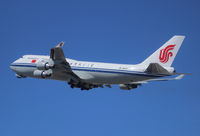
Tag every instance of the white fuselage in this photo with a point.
(92, 72)
(87, 75)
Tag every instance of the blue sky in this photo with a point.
(118, 31)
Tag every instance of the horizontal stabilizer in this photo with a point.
(179, 77)
(159, 79)
(155, 68)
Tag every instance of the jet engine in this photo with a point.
(127, 86)
(42, 73)
(45, 64)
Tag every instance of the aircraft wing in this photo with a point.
(62, 68)
(60, 64)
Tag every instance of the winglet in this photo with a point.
(57, 52)
(61, 44)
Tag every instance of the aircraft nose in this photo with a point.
(13, 66)
(18, 72)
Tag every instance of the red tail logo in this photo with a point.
(166, 53)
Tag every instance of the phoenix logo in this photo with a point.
(166, 53)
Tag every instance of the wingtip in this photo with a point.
(61, 44)
(182, 36)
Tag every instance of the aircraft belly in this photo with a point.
(109, 78)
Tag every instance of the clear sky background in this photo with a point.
(117, 31)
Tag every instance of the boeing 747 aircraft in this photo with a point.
(87, 75)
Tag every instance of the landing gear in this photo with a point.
(82, 86)
(71, 86)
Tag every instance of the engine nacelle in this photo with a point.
(45, 65)
(43, 74)
(127, 86)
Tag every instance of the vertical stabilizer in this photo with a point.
(166, 54)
